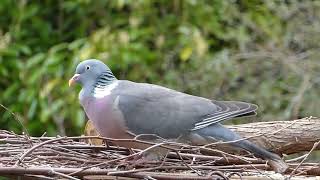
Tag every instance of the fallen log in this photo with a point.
(282, 137)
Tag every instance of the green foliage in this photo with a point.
(265, 52)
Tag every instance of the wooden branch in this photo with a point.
(312, 169)
(282, 137)
(48, 171)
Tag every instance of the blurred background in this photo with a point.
(260, 51)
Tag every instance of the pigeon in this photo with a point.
(123, 109)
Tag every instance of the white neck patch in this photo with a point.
(100, 91)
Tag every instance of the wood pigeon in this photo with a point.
(122, 109)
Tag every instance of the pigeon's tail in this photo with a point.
(218, 132)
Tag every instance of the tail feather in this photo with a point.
(219, 132)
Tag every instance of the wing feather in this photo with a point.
(227, 110)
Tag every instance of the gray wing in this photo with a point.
(152, 109)
(227, 110)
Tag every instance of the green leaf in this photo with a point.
(185, 53)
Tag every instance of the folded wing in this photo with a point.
(152, 109)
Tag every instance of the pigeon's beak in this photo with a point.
(73, 79)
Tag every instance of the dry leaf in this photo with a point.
(91, 131)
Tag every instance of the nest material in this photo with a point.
(73, 158)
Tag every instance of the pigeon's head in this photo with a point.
(89, 71)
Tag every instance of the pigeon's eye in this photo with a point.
(87, 67)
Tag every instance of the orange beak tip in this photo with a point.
(73, 79)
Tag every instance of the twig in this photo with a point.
(35, 147)
(17, 119)
(118, 159)
(64, 175)
(180, 157)
(314, 146)
(296, 159)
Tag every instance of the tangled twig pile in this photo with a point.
(72, 158)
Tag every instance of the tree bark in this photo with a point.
(282, 137)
